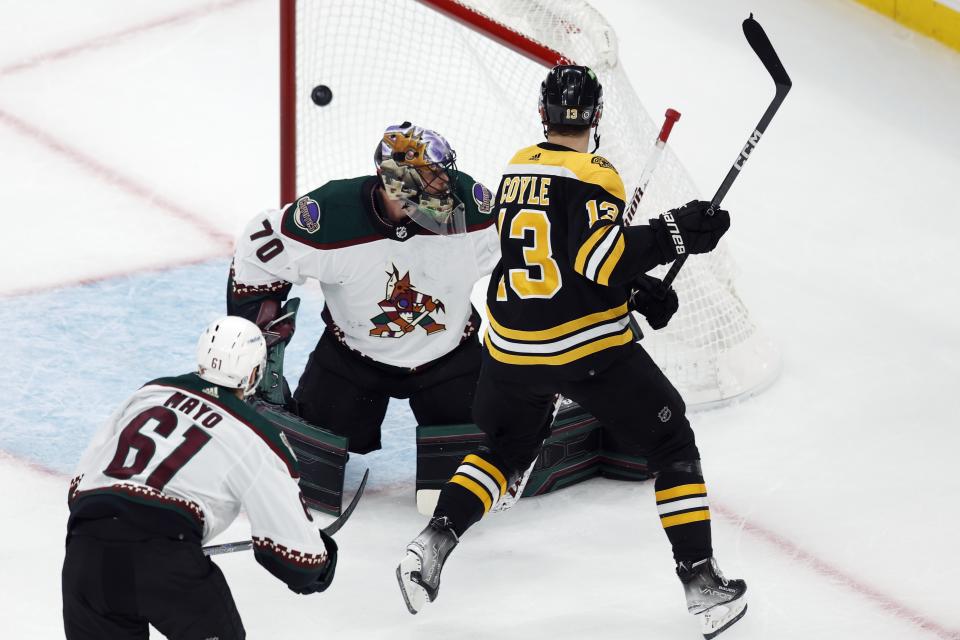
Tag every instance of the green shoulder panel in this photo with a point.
(224, 398)
(330, 216)
(478, 201)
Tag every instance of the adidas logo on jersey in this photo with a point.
(535, 156)
(212, 391)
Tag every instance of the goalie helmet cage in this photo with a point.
(457, 67)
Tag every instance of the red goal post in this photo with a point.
(472, 71)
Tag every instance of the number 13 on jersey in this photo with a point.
(540, 278)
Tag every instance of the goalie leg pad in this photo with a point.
(322, 457)
(572, 453)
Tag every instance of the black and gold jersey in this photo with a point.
(557, 301)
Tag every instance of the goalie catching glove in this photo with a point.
(276, 323)
(689, 229)
(653, 301)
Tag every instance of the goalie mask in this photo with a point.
(232, 353)
(418, 167)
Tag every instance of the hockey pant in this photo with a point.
(346, 393)
(633, 399)
(113, 588)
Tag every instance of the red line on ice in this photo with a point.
(110, 39)
(35, 466)
(114, 178)
(122, 273)
(102, 171)
(889, 604)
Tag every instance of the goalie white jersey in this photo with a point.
(396, 293)
(188, 446)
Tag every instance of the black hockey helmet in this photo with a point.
(571, 96)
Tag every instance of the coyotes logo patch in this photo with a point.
(405, 309)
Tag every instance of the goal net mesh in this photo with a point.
(390, 61)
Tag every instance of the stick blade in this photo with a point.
(760, 43)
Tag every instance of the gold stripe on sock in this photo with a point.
(685, 518)
(491, 470)
(682, 490)
(475, 488)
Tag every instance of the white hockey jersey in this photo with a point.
(188, 446)
(398, 294)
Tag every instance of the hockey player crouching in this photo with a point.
(559, 324)
(169, 471)
(396, 255)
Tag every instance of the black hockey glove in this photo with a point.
(689, 229)
(651, 299)
(326, 578)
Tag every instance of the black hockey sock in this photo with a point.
(475, 487)
(684, 513)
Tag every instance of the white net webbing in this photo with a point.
(387, 61)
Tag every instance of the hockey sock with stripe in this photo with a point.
(684, 511)
(476, 486)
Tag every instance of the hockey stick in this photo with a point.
(760, 44)
(518, 484)
(671, 119)
(244, 545)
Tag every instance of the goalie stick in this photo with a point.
(244, 545)
(760, 44)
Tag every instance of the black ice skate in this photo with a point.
(716, 601)
(419, 571)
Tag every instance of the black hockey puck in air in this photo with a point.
(321, 95)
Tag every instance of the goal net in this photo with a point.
(457, 67)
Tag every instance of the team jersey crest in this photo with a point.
(405, 309)
(307, 215)
(603, 162)
(483, 197)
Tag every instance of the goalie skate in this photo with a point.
(716, 602)
(419, 572)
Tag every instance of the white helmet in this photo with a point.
(232, 353)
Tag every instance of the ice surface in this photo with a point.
(137, 136)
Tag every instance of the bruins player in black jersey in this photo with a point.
(559, 323)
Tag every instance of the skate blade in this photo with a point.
(414, 596)
(722, 617)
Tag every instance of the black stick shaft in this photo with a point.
(761, 45)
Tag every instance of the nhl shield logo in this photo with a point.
(664, 414)
(401, 232)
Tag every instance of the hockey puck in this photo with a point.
(321, 95)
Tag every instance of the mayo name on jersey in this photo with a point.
(189, 446)
(557, 301)
(399, 294)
